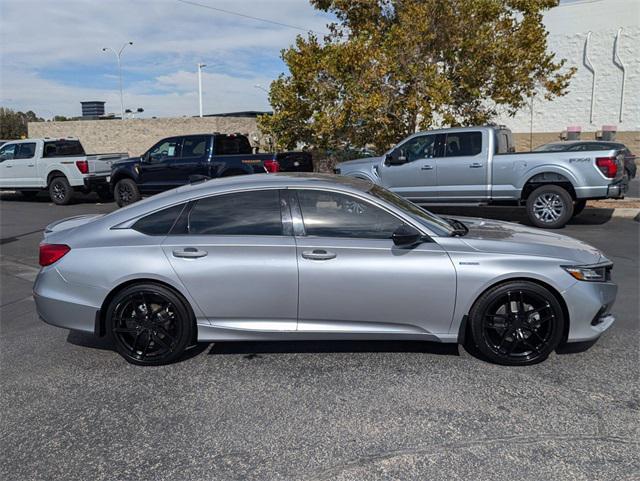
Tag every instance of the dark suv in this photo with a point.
(179, 160)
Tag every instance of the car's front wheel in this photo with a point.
(126, 192)
(149, 324)
(516, 323)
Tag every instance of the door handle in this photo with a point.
(189, 253)
(8, 166)
(31, 165)
(318, 255)
(426, 167)
(475, 165)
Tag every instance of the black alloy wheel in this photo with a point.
(126, 192)
(60, 191)
(149, 324)
(517, 323)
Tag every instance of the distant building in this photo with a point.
(92, 109)
(589, 34)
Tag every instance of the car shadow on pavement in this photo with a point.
(43, 198)
(252, 348)
(590, 216)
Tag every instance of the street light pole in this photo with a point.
(118, 54)
(200, 67)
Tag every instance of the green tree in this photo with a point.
(13, 125)
(389, 67)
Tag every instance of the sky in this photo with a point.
(51, 54)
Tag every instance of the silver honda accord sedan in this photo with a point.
(285, 257)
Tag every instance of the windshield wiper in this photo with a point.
(459, 229)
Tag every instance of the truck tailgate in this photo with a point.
(101, 163)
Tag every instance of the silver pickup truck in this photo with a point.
(478, 165)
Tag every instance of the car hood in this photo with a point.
(70, 223)
(129, 161)
(508, 238)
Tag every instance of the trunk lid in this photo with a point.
(70, 223)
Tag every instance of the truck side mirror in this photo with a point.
(396, 157)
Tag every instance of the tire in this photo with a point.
(549, 206)
(517, 323)
(149, 324)
(29, 194)
(60, 191)
(578, 207)
(126, 192)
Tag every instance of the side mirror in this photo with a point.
(396, 157)
(405, 236)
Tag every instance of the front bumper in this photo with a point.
(589, 305)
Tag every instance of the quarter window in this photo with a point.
(330, 214)
(159, 223)
(463, 144)
(243, 213)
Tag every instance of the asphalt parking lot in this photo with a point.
(71, 408)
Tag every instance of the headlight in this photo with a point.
(598, 273)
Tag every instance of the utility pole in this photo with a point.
(118, 54)
(200, 67)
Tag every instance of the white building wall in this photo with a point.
(568, 25)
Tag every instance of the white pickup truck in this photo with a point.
(58, 165)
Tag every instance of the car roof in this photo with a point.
(235, 183)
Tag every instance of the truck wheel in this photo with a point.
(126, 192)
(549, 206)
(60, 191)
(578, 207)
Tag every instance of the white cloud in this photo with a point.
(44, 45)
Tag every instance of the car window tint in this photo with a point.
(462, 144)
(195, 147)
(243, 213)
(169, 148)
(63, 148)
(26, 151)
(232, 145)
(330, 214)
(7, 152)
(159, 223)
(422, 147)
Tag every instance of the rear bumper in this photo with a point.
(96, 182)
(618, 189)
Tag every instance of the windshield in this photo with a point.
(551, 148)
(435, 223)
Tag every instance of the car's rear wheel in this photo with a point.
(517, 323)
(549, 206)
(126, 192)
(60, 191)
(149, 324)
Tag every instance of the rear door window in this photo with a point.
(195, 147)
(463, 144)
(254, 213)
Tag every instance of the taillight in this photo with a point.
(50, 253)
(272, 166)
(83, 166)
(608, 166)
